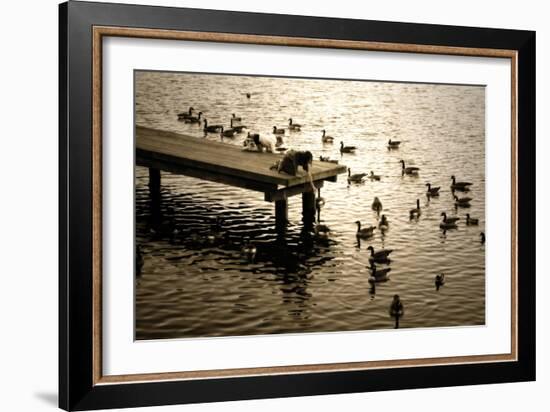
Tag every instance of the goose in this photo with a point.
(447, 225)
(383, 224)
(239, 128)
(470, 221)
(227, 132)
(235, 118)
(439, 281)
(393, 144)
(248, 95)
(377, 204)
(460, 186)
(355, 178)
(372, 176)
(325, 138)
(248, 250)
(212, 128)
(216, 232)
(321, 231)
(408, 170)
(396, 308)
(432, 191)
(378, 275)
(293, 126)
(462, 202)
(278, 131)
(482, 237)
(193, 119)
(380, 256)
(185, 115)
(451, 220)
(365, 232)
(347, 149)
(327, 159)
(416, 212)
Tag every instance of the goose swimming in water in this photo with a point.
(235, 118)
(448, 223)
(439, 281)
(416, 212)
(365, 232)
(449, 219)
(355, 178)
(432, 191)
(383, 224)
(239, 128)
(212, 128)
(347, 149)
(278, 131)
(379, 275)
(482, 237)
(393, 144)
(380, 256)
(185, 115)
(408, 170)
(462, 202)
(248, 95)
(470, 221)
(227, 132)
(321, 231)
(325, 138)
(372, 176)
(193, 119)
(376, 204)
(460, 186)
(293, 126)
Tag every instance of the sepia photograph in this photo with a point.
(284, 205)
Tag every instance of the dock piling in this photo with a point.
(281, 214)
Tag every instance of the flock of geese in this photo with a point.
(377, 258)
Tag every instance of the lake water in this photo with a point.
(191, 286)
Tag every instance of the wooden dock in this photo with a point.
(228, 164)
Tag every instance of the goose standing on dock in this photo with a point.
(460, 186)
(326, 138)
(393, 144)
(408, 170)
(186, 115)
(278, 131)
(416, 212)
(462, 202)
(355, 178)
(380, 256)
(376, 205)
(364, 232)
(212, 128)
(470, 221)
(294, 126)
(347, 149)
(432, 191)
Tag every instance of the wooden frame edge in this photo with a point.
(98, 32)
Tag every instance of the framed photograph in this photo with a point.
(256, 206)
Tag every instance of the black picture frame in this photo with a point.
(77, 390)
